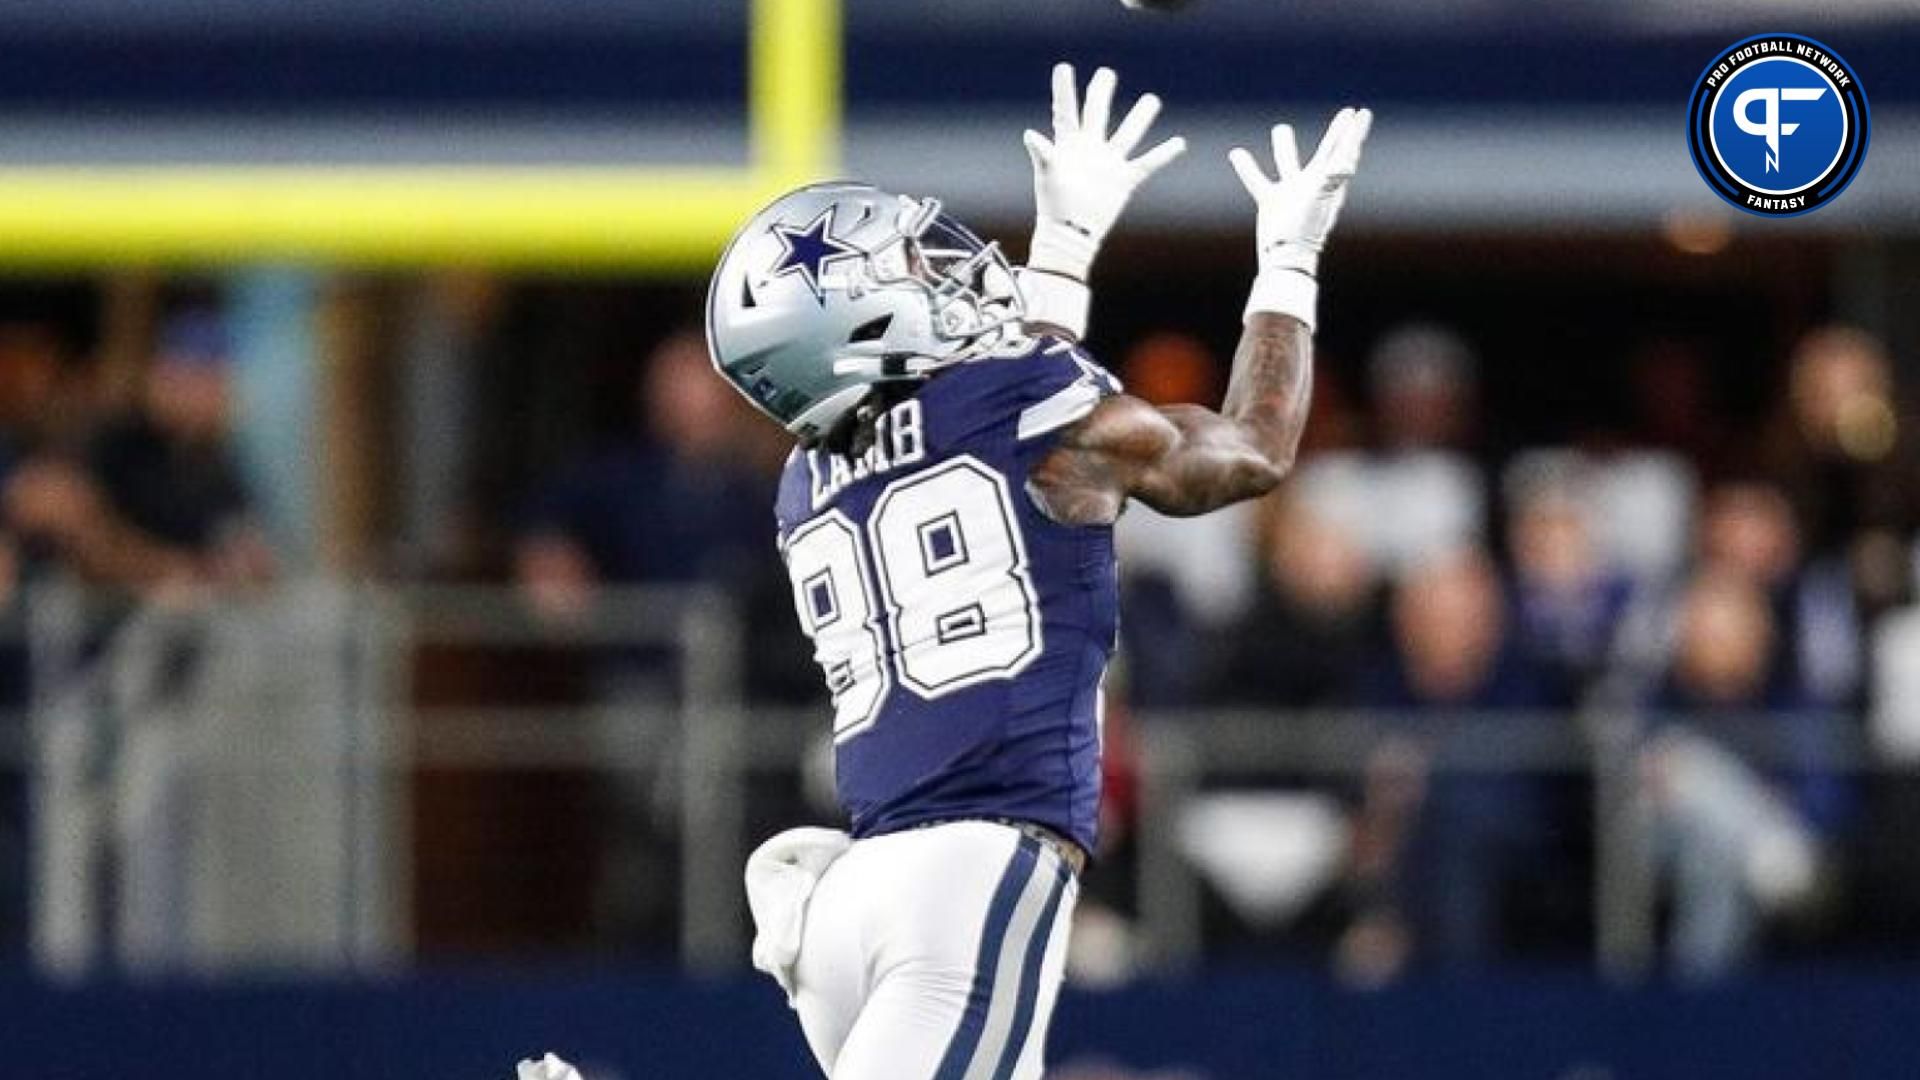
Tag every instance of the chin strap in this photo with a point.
(890, 366)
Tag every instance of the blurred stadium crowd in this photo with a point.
(1734, 605)
(1720, 592)
(116, 472)
(1742, 595)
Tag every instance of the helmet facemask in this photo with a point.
(969, 288)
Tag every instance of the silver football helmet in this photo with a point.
(836, 287)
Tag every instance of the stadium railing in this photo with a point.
(227, 783)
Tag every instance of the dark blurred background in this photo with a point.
(401, 635)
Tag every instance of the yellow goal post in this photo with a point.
(617, 218)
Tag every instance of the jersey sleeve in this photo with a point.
(1067, 387)
(790, 504)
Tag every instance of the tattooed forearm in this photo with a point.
(1272, 385)
(1246, 449)
(1184, 459)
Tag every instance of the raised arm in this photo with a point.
(1082, 179)
(1185, 459)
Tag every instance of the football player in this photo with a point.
(947, 524)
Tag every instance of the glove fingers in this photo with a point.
(1066, 101)
(1099, 102)
(1349, 158)
(1157, 158)
(1038, 148)
(1134, 125)
(1248, 170)
(1286, 152)
(1329, 155)
(1339, 152)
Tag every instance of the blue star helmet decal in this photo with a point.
(807, 251)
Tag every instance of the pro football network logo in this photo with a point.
(1778, 125)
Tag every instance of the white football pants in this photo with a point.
(935, 954)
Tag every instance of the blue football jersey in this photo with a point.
(963, 634)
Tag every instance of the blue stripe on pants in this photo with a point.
(966, 1039)
(1030, 976)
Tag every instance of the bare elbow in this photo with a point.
(1263, 474)
(1248, 477)
(1244, 477)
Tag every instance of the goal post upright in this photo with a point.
(590, 217)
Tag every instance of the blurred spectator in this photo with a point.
(29, 380)
(1673, 404)
(1204, 559)
(1749, 529)
(1847, 455)
(1438, 848)
(1894, 723)
(1888, 870)
(1182, 577)
(1403, 510)
(29, 374)
(685, 501)
(1450, 642)
(1640, 511)
(156, 499)
(1424, 391)
(152, 503)
(1334, 418)
(1737, 778)
(1418, 495)
(1312, 628)
(680, 504)
(1306, 641)
(1568, 603)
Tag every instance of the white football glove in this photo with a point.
(547, 1068)
(781, 875)
(1082, 179)
(1297, 211)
